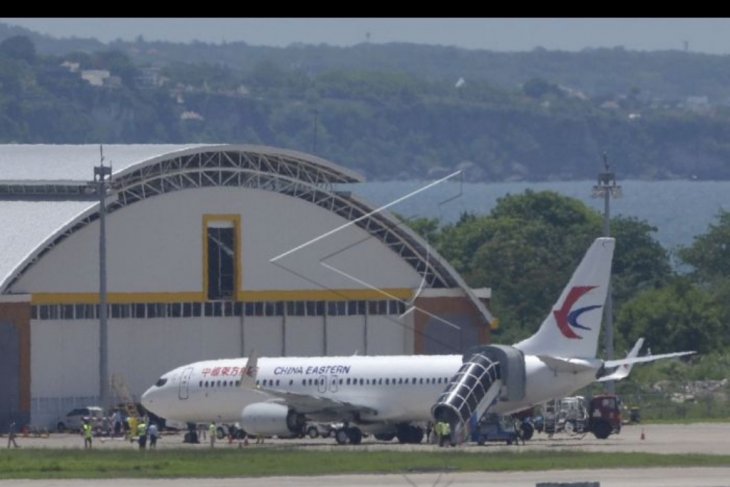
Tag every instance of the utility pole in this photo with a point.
(606, 188)
(100, 172)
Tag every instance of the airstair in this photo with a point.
(121, 391)
(488, 374)
(474, 388)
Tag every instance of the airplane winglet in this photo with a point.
(248, 373)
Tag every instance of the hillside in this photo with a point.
(390, 111)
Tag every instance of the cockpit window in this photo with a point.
(161, 382)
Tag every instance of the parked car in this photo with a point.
(75, 418)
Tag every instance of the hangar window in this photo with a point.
(221, 255)
(248, 309)
(372, 307)
(227, 308)
(341, 308)
(269, 309)
(311, 308)
(332, 309)
(351, 308)
(174, 310)
(67, 312)
(197, 308)
(138, 311)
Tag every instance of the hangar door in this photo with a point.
(9, 375)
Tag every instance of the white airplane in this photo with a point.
(397, 395)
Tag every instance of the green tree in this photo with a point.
(709, 254)
(640, 262)
(679, 316)
(18, 47)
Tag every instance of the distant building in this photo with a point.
(95, 77)
(191, 115)
(71, 66)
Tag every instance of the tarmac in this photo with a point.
(709, 438)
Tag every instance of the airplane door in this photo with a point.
(184, 381)
(322, 384)
(333, 383)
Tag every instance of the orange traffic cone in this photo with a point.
(643, 436)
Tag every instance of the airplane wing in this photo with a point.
(248, 373)
(308, 404)
(318, 406)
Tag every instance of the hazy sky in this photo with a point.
(701, 35)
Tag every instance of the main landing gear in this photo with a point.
(348, 434)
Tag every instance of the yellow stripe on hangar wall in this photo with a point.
(242, 296)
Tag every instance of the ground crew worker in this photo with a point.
(154, 433)
(88, 433)
(446, 428)
(443, 430)
(12, 434)
(132, 428)
(211, 432)
(142, 432)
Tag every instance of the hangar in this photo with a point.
(212, 251)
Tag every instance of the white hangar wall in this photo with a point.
(65, 360)
(156, 245)
(155, 251)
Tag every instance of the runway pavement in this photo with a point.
(710, 438)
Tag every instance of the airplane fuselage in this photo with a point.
(395, 388)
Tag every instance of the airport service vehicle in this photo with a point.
(398, 395)
(75, 418)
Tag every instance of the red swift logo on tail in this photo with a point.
(566, 318)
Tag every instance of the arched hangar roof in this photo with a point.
(46, 195)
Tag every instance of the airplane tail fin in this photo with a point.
(571, 329)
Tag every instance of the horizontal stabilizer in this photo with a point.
(565, 365)
(622, 371)
(646, 358)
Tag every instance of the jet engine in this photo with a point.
(269, 419)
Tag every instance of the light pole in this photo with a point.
(606, 188)
(100, 172)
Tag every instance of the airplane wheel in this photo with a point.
(527, 431)
(313, 432)
(417, 435)
(601, 429)
(341, 436)
(355, 435)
